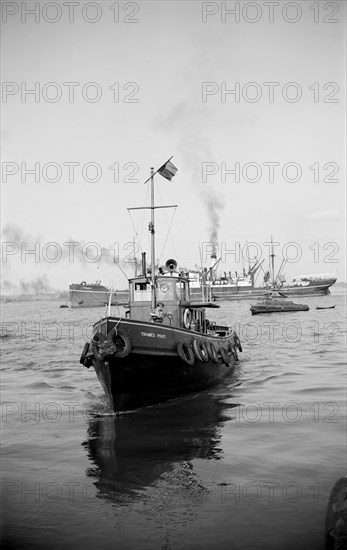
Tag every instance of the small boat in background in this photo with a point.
(271, 304)
(325, 307)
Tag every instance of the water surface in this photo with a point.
(246, 465)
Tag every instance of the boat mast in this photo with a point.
(272, 262)
(151, 229)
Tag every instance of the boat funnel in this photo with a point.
(213, 259)
(144, 268)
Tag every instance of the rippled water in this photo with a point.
(247, 465)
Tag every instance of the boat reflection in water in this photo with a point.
(147, 459)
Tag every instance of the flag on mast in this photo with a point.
(168, 170)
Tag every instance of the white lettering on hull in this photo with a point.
(153, 335)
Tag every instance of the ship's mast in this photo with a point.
(272, 262)
(151, 229)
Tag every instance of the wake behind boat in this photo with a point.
(164, 346)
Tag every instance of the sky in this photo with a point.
(248, 98)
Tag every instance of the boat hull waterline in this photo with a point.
(221, 293)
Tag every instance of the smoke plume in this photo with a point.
(69, 250)
(185, 120)
(40, 285)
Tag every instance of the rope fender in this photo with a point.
(96, 342)
(116, 343)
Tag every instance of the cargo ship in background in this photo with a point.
(308, 285)
(206, 283)
(238, 287)
(95, 295)
(209, 286)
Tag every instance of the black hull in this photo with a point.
(133, 382)
(153, 371)
(256, 310)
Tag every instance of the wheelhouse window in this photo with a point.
(141, 292)
(182, 291)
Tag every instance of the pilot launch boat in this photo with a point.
(164, 346)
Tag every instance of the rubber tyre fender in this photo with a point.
(84, 353)
(113, 335)
(200, 350)
(232, 349)
(238, 343)
(224, 355)
(185, 352)
(212, 352)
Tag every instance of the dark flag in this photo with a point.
(168, 170)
